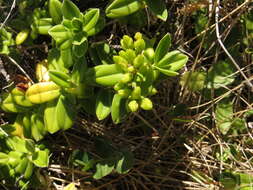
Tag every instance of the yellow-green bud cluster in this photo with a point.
(135, 59)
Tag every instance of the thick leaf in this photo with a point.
(162, 48)
(173, 61)
(120, 8)
(60, 78)
(21, 167)
(19, 97)
(43, 25)
(29, 170)
(67, 57)
(166, 71)
(125, 163)
(50, 118)
(103, 168)
(65, 113)
(55, 10)
(79, 38)
(55, 61)
(22, 36)
(3, 158)
(118, 108)
(220, 74)
(21, 145)
(42, 92)
(79, 70)
(38, 129)
(97, 28)
(8, 104)
(76, 25)
(90, 19)
(62, 36)
(158, 7)
(70, 10)
(103, 104)
(41, 158)
(80, 50)
(109, 80)
(42, 71)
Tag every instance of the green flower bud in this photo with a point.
(127, 78)
(124, 92)
(127, 42)
(122, 62)
(130, 55)
(131, 69)
(153, 91)
(138, 36)
(136, 93)
(138, 61)
(118, 86)
(149, 54)
(133, 105)
(139, 45)
(123, 54)
(146, 104)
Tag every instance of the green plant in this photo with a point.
(133, 75)
(121, 8)
(111, 159)
(19, 157)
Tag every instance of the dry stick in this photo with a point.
(221, 20)
(9, 14)
(3, 71)
(224, 48)
(20, 68)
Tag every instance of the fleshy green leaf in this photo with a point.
(60, 78)
(3, 158)
(162, 48)
(70, 10)
(97, 28)
(125, 163)
(40, 158)
(55, 10)
(120, 8)
(64, 113)
(90, 19)
(103, 168)
(117, 109)
(67, 57)
(80, 50)
(42, 92)
(167, 72)
(43, 25)
(62, 36)
(103, 104)
(51, 123)
(173, 61)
